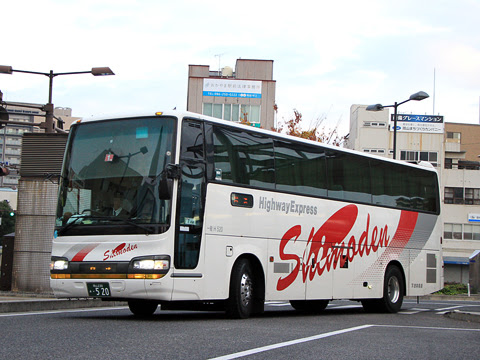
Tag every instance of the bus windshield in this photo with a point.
(111, 177)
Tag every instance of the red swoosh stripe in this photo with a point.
(84, 252)
(405, 228)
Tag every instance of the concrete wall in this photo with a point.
(35, 222)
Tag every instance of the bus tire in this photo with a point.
(309, 306)
(142, 308)
(393, 290)
(240, 302)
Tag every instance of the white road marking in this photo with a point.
(322, 336)
(449, 308)
(412, 311)
(288, 343)
(345, 306)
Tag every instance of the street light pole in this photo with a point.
(49, 108)
(395, 107)
(418, 96)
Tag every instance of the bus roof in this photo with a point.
(181, 114)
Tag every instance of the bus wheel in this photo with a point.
(309, 306)
(393, 290)
(240, 301)
(142, 308)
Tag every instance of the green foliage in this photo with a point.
(8, 222)
(453, 289)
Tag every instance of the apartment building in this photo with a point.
(11, 136)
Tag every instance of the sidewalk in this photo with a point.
(25, 302)
(458, 315)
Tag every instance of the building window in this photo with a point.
(454, 231)
(453, 195)
(233, 112)
(448, 163)
(468, 165)
(375, 124)
(375, 151)
(472, 196)
(454, 135)
(471, 232)
(458, 195)
(430, 156)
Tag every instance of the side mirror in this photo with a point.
(165, 188)
(173, 171)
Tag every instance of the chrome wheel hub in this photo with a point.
(246, 289)
(393, 289)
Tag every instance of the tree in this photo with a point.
(314, 133)
(8, 218)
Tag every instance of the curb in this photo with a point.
(46, 304)
(475, 297)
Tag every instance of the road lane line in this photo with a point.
(322, 336)
(412, 311)
(424, 327)
(289, 343)
(449, 308)
(345, 306)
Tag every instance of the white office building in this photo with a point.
(453, 149)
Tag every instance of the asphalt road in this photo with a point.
(342, 331)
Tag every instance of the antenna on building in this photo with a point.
(433, 98)
(219, 57)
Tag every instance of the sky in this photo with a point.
(328, 55)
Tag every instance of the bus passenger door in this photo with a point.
(188, 270)
(188, 234)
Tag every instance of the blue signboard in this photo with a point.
(246, 89)
(418, 123)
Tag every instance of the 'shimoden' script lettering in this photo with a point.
(328, 248)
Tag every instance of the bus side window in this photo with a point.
(300, 168)
(245, 158)
(192, 140)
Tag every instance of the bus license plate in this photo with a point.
(98, 289)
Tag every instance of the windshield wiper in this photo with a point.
(126, 221)
(75, 222)
(71, 224)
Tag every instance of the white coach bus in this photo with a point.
(190, 212)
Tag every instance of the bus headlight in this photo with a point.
(150, 264)
(149, 267)
(58, 264)
(59, 268)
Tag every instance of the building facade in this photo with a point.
(453, 149)
(245, 94)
